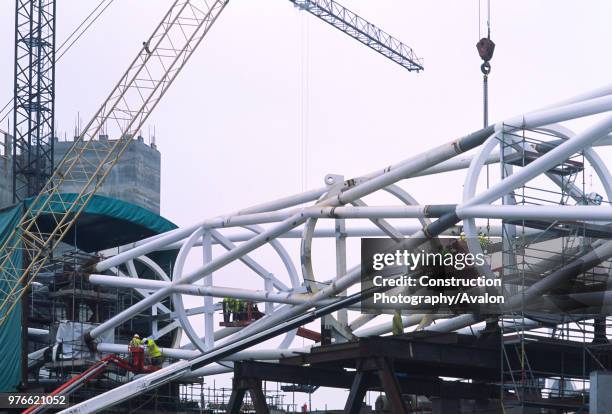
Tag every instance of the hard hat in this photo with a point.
(136, 336)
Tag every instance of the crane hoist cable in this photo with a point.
(79, 35)
(304, 98)
(485, 47)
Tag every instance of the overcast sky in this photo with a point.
(270, 80)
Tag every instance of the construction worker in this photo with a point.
(136, 352)
(483, 239)
(256, 312)
(230, 308)
(226, 309)
(136, 341)
(397, 326)
(235, 306)
(240, 308)
(153, 352)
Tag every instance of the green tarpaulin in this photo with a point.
(10, 331)
(105, 222)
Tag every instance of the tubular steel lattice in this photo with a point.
(308, 297)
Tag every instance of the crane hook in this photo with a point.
(485, 68)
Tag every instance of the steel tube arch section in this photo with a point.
(178, 274)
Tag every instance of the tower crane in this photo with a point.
(363, 31)
(34, 96)
(122, 115)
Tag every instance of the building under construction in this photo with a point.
(113, 308)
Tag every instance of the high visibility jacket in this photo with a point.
(397, 325)
(153, 349)
(135, 342)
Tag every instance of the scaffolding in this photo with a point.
(215, 400)
(62, 305)
(573, 335)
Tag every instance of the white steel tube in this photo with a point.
(198, 290)
(558, 114)
(285, 202)
(454, 165)
(259, 354)
(494, 230)
(595, 93)
(173, 236)
(517, 212)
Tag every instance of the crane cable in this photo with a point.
(62, 49)
(304, 97)
(84, 30)
(485, 47)
(486, 56)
